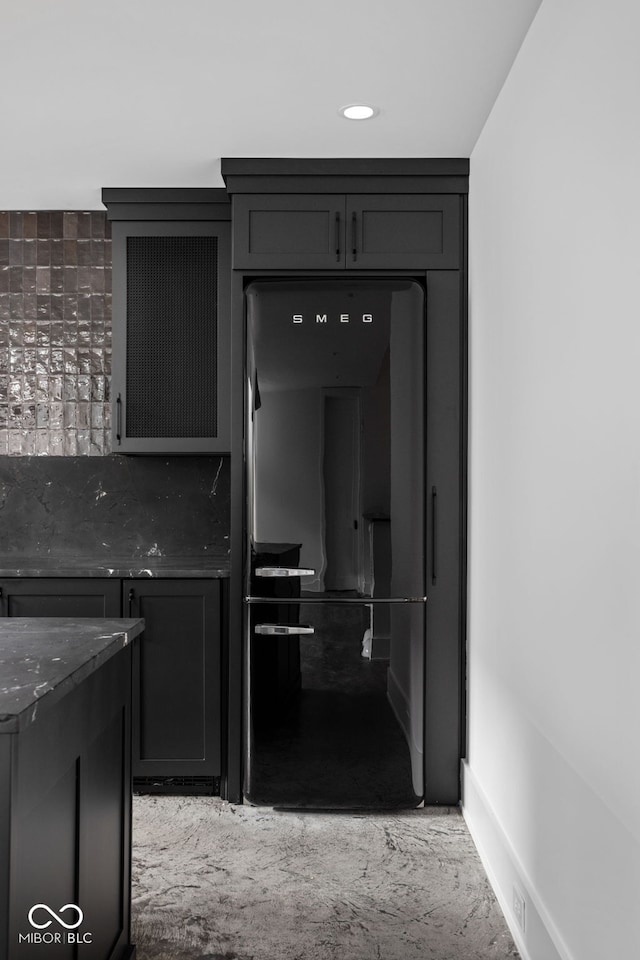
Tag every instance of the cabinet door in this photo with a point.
(293, 231)
(171, 354)
(403, 231)
(176, 677)
(357, 231)
(36, 597)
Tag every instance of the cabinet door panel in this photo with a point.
(403, 231)
(35, 597)
(296, 231)
(171, 337)
(176, 677)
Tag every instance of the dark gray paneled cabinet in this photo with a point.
(353, 231)
(176, 671)
(176, 663)
(171, 297)
(65, 819)
(40, 597)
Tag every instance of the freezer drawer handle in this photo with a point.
(280, 630)
(284, 572)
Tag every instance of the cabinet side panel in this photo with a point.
(443, 679)
(5, 839)
(103, 844)
(45, 851)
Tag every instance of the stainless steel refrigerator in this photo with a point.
(335, 520)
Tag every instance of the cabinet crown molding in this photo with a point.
(160, 203)
(372, 175)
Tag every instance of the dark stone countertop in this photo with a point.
(37, 566)
(43, 658)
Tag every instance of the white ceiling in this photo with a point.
(127, 93)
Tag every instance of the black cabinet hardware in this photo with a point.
(434, 534)
(119, 419)
(338, 237)
(354, 235)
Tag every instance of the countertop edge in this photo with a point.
(123, 571)
(123, 631)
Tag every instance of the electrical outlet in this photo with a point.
(519, 908)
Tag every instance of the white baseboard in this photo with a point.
(540, 939)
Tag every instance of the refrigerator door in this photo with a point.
(335, 430)
(335, 576)
(328, 728)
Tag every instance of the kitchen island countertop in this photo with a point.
(43, 658)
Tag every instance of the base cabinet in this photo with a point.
(40, 597)
(176, 671)
(176, 666)
(65, 824)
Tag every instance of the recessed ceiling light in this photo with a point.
(358, 111)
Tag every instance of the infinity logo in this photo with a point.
(56, 916)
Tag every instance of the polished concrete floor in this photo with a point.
(221, 882)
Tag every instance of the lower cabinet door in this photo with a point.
(51, 597)
(176, 677)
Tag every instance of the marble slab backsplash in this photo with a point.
(101, 508)
(55, 333)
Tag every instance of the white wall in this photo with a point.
(552, 786)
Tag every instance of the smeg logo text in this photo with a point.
(340, 318)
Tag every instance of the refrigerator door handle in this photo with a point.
(281, 630)
(284, 572)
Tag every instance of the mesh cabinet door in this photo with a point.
(171, 340)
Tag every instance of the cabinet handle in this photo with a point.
(284, 572)
(338, 237)
(281, 630)
(119, 418)
(131, 598)
(434, 534)
(354, 235)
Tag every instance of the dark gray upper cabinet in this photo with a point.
(368, 214)
(171, 296)
(400, 231)
(353, 231)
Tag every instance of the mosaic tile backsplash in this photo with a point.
(55, 333)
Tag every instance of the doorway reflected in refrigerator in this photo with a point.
(335, 578)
